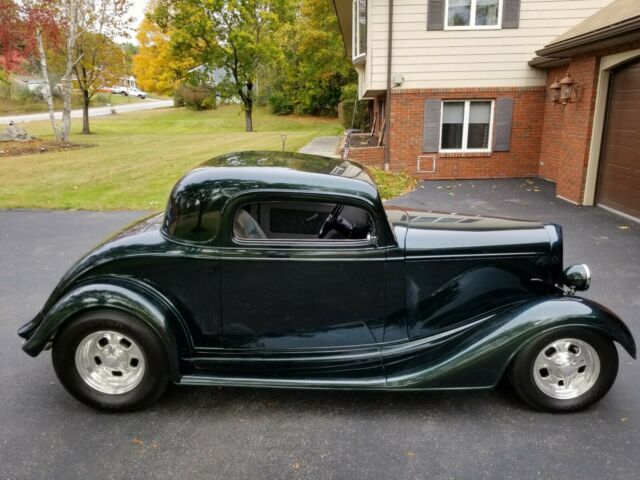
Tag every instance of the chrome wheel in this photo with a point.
(566, 368)
(110, 362)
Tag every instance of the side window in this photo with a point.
(192, 217)
(301, 221)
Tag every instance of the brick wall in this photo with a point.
(407, 118)
(369, 156)
(567, 130)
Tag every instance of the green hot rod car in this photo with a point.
(285, 270)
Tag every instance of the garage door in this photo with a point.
(619, 178)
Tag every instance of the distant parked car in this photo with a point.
(285, 270)
(126, 91)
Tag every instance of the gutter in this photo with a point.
(344, 44)
(387, 102)
(622, 32)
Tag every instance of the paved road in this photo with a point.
(148, 104)
(234, 433)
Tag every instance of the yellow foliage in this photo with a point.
(154, 66)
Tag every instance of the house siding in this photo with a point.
(465, 58)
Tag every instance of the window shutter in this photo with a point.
(431, 133)
(504, 116)
(510, 13)
(435, 15)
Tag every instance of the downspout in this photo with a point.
(387, 102)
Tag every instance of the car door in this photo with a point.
(290, 295)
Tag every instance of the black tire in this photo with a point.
(154, 380)
(521, 372)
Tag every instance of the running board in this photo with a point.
(207, 380)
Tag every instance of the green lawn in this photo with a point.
(139, 156)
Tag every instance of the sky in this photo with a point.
(137, 12)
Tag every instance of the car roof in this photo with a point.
(283, 171)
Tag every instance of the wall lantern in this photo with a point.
(554, 88)
(568, 90)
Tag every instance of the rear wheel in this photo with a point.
(565, 370)
(111, 361)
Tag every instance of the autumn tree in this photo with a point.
(239, 36)
(313, 68)
(100, 61)
(155, 67)
(12, 30)
(75, 20)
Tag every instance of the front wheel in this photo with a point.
(111, 361)
(565, 370)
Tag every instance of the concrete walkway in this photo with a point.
(148, 104)
(324, 146)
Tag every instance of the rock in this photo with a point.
(15, 134)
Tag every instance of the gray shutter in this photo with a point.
(435, 15)
(504, 116)
(431, 133)
(510, 13)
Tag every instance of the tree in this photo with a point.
(237, 35)
(154, 66)
(74, 19)
(100, 61)
(12, 31)
(313, 68)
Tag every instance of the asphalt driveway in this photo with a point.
(265, 434)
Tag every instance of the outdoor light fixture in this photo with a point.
(554, 88)
(568, 90)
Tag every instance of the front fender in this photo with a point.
(476, 356)
(127, 295)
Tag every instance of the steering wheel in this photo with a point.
(330, 220)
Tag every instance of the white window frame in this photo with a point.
(472, 19)
(355, 31)
(465, 126)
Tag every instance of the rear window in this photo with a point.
(191, 216)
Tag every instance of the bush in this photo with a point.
(361, 120)
(348, 98)
(101, 99)
(281, 103)
(195, 97)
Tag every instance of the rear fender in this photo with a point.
(126, 295)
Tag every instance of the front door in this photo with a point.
(284, 287)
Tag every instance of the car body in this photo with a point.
(128, 91)
(242, 283)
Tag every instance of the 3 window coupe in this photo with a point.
(285, 270)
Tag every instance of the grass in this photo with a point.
(139, 156)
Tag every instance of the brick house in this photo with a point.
(503, 88)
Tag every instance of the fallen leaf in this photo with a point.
(137, 441)
(411, 454)
(296, 466)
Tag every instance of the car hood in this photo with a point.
(429, 233)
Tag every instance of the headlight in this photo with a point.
(577, 277)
